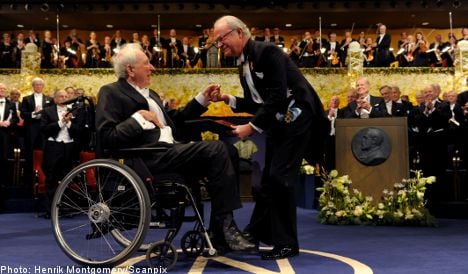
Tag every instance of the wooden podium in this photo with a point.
(371, 180)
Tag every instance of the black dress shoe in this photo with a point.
(236, 242)
(280, 252)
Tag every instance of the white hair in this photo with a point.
(234, 23)
(127, 55)
(37, 80)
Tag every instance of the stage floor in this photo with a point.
(27, 244)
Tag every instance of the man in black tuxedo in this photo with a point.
(8, 118)
(60, 128)
(386, 107)
(31, 109)
(129, 114)
(289, 112)
(362, 107)
(396, 97)
(383, 56)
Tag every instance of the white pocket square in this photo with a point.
(259, 75)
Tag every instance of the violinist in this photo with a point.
(294, 50)
(416, 52)
(47, 51)
(435, 52)
(344, 45)
(307, 56)
(369, 52)
(187, 55)
(173, 47)
(68, 56)
(333, 51)
(106, 53)
(77, 47)
(92, 51)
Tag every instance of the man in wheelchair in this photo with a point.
(129, 114)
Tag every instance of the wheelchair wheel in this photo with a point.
(94, 199)
(161, 254)
(192, 243)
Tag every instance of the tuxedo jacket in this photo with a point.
(462, 98)
(385, 42)
(28, 105)
(380, 110)
(50, 127)
(435, 121)
(32, 126)
(274, 74)
(116, 128)
(8, 112)
(351, 112)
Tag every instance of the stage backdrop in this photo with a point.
(182, 85)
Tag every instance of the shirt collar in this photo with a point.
(142, 91)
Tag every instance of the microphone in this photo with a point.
(73, 100)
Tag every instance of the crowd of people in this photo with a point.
(310, 50)
(437, 124)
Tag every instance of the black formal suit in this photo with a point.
(59, 157)
(383, 55)
(462, 98)
(9, 113)
(380, 110)
(172, 50)
(117, 43)
(116, 128)
(34, 138)
(406, 107)
(350, 112)
(274, 74)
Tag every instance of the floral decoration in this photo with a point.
(404, 205)
(183, 84)
(307, 168)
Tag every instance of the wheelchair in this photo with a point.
(105, 210)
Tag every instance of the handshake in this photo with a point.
(213, 93)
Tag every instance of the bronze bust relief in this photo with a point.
(371, 146)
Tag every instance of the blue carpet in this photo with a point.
(26, 241)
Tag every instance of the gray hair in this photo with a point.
(234, 23)
(37, 80)
(125, 56)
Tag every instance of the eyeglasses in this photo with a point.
(220, 39)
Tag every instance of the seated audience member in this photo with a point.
(60, 128)
(129, 114)
(387, 107)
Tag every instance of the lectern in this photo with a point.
(373, 152)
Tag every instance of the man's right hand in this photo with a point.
(151, 117)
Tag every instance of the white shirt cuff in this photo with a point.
(145, 125)
(202, 99)
(232, 101)
(257, 129)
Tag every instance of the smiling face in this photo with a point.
(140, 72)
(231, 41)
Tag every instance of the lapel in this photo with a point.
(129, 91)
(54, 111)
